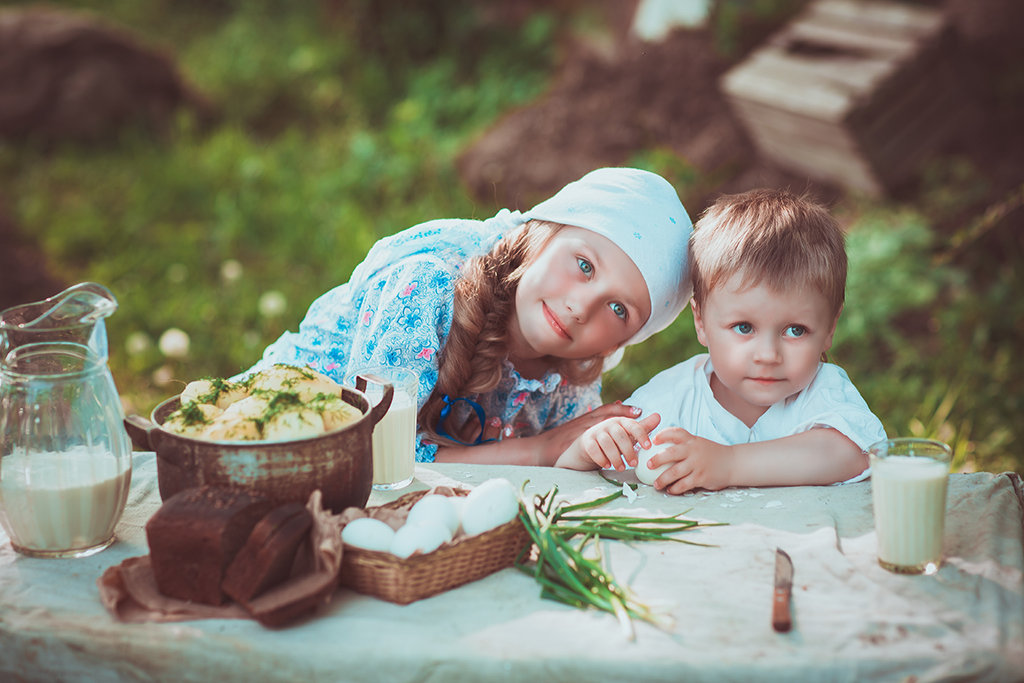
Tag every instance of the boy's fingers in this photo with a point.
(624, 439)
(609, 448)
(594, 453)
(651, 421)
(672, 435)
(640, 433)
(670, 479)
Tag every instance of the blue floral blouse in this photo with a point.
(396, 310)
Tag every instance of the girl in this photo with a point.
(509, 321)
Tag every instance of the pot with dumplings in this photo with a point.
(282, 433)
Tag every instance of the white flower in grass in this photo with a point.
(137, 343)
(163, 376)
(174, 343)
(230, 271)
(272, 304)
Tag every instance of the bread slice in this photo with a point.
(267, 558)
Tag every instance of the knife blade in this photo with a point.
(781, 619)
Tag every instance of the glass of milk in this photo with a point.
(394, 437)
(908, 487)
(65, 458)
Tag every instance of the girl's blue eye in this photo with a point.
(585, 266)
(619, 310)
(743, 328)
(796, 331)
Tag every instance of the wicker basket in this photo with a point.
(402, 581)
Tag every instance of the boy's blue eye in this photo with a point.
(585, 266)
(796, 331)
(743, 328)
(619, 310)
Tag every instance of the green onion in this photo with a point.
(567, 574)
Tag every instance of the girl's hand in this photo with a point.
(697, 462)
(613, 442)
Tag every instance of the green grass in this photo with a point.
(327, 139)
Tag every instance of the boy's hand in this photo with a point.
(695, 462)
(610, 443)
(550, 446)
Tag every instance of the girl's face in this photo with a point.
(581, 297)
(764, 345)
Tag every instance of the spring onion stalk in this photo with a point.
(568, 562)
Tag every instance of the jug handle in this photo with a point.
(378, 411)
(139, 429)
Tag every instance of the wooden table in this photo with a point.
(852, 619)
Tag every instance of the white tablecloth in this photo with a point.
(852, 619)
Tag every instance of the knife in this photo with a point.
(781, 620)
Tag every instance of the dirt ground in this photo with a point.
(606, 102)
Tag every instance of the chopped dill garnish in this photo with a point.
(280, 402)
(190, 414)
(218, 387)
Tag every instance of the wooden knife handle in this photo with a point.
(781, 620)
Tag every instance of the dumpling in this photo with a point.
(250, 408)
(305, 382)
(228, 427)
(335, 411)
(191, 420)
(295, 423)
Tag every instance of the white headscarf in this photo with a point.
(641, 213)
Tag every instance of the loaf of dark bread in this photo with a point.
(267, 558)
(196, 534)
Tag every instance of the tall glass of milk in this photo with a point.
(394, 437)
(65, 458)
(908, 486)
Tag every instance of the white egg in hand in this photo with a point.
(424, 537)
(368, 533)
(435, 508)
(645, 473)
(489, 505)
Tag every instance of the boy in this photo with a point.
(761, 408)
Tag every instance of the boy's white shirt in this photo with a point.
(682, 395)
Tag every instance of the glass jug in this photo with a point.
(65, 458)
(74, 315)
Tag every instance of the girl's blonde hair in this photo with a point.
(471, 361)
(772, 237)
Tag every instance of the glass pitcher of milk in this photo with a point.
(74, 315)
(65, 458)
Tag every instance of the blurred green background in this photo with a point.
(339, 123)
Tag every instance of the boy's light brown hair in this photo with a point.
(772, 237)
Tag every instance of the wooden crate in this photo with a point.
(851, 92)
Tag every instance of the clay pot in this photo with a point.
(339, 463)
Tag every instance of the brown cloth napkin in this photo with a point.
(130, 594)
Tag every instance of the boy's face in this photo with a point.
(582, 296)
(764, 345)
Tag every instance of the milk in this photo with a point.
(61, 504)
(394, 444)
(909, 495)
